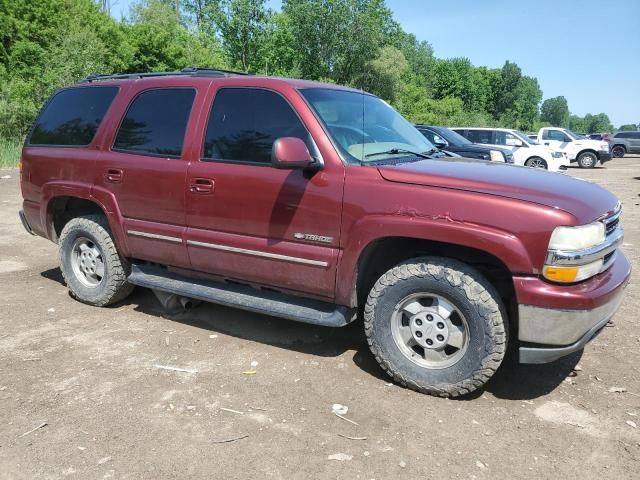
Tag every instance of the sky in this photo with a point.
(585, 50)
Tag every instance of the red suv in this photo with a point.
(320, 204)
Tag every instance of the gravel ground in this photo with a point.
(89, 378)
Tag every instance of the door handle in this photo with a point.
(201, 185)
(113, 175)
(546, 143)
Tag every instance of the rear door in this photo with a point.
(254, 223)
(484, 137)
(144, 167)
(634, 142)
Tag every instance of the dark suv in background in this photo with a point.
(624, 142)
(450, 141)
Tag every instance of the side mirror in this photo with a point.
(568, 140)
(440, 143)
(290, 153)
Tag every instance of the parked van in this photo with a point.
(525, 151)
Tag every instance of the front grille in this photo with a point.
(610, 226)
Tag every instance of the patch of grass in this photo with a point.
(9, 152)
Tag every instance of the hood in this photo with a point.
(590, 143)
(474, 147)
(584, 200)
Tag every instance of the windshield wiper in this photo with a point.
(396, 151)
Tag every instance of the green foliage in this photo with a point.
(382, 76)
(555, 111)
(9, 152)
(46, 44)
(630, 127)
(243, 27)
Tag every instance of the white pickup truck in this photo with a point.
(579, 149)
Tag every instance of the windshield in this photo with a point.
(575, 135)
(363, 126)
(452, 137)
(523, 136)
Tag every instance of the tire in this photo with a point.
(85, 243)
(587, 160)
(536, 162)
(477, 315)
(618, 151)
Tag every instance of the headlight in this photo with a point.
(574, 239)
(557, 154)
(496, 156)
(577, 238)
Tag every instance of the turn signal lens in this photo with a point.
(571, 274)
(560, 274)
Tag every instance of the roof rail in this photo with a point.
(191, 71)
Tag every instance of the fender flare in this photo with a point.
(505, 246)
(104, 199)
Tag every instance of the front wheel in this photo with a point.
(587, 160)
(618, 151)
(536, 162)
(437, 326)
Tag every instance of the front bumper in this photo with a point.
(25, 222)
(604, 156)
(567, 322)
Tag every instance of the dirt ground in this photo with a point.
(91, 376)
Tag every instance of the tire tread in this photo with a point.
(478, 291)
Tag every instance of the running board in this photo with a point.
(265, 302)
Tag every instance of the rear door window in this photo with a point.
(72, 116)
(245, 122)
(480, 136)
(156, 122)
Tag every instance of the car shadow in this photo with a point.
(506, 384)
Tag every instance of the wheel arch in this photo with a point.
(624, 147)
(587, 150)
(382, 254)
(62, 208)
(59, 209)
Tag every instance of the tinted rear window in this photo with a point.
(156, 122)
(72, 116)
(479, 136)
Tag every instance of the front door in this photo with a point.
(143, 167)
(556, 140)
(251, 222)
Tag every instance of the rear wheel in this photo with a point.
(618, 151)
(587, 160)
(536, 162)
(91, 266)
(436, 325)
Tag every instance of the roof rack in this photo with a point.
(191, 71)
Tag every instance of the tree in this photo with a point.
(629, 127)
(383, 75)
(597, 123)
(204, 15)
(555, 111)
(505, 88)
(243, 29)
(336, 38)
(527, 99)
